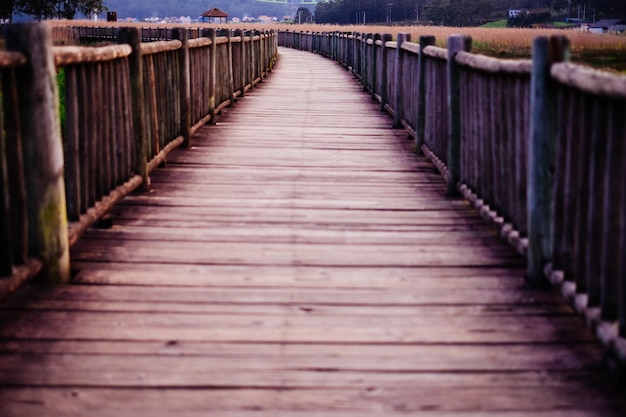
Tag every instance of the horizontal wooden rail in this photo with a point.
(125, 107)
(71, 55)
(537, 146)
(12, 59)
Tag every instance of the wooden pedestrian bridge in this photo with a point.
(215, 249)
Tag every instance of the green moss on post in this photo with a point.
(42, 150)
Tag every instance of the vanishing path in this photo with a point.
(298, 261)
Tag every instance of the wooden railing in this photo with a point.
(125, 106)
(537, 146)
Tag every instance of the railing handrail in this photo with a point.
(495, 100)
(98, 83)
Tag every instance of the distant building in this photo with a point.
(214, 13)
(608, 25)
(514, 13)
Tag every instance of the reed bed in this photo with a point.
(603, 51)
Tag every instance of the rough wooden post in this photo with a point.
(185, 85)
(364, 61)
(386, 37)
(6, 247)
(212, 74)
(541, 154)
(42, 150)
(15, 179)
(398, 81)
(421, 92)
(242, 54)
(130, 36)
(230, 75)
(456, 44)
(621, 277)
(374, 65)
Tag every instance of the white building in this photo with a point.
(514, 13)
(608, 25)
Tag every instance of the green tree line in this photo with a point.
(48, 9)
(457, 12)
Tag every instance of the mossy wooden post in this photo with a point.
(541, 154)
(42, 150)
(131, 36)
(421, 91)
(386, 37)
(398, 81)
(456, 44)
(185, 85)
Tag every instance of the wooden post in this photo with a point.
(421, 92)
(242, 72)
(456, 44)
(185, 85)
(386, 37)
(212, 74)
(398, 81)
(374, 64)
(621, 277)
(6, 247)
(613, 227)
(15, 177)
(230, 76)
(364, 61)
(130, 36)
(541, 154)
(42, 150)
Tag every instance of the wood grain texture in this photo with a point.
(298, 260)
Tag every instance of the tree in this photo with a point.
(62, 9)
(303, 15)
(7, 7)
(39, 9)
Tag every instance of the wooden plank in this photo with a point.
(297, 260)
(90, 272)
(239, 372)
(368, 399)
(301, 329)
(267, 295)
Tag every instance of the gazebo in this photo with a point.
(214, 13)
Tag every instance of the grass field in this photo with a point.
(600, 51)
(496, 24)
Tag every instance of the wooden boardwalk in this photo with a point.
(299, 260)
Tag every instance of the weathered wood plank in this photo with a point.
(420, 399)
(297, 260)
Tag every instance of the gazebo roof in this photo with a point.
(214, 12)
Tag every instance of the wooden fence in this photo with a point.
(537, 146)
(125, 106)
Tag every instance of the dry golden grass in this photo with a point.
(607, 51)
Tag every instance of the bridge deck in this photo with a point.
(298, 260)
